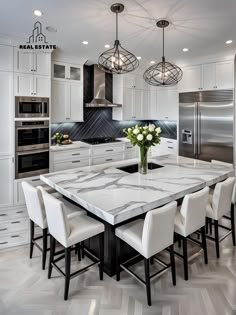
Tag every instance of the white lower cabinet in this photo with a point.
(60, 166)
(6, 181)
(14, 239)
(109, 158)
(167, 146)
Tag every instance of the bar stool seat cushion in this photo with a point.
(131, 233)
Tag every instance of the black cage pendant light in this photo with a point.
(163, 73)
(117, 59)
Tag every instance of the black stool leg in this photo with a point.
(172, 261)
(101, 248)
(179, 243)
(31, 238)
(217, 238)
(82, 249)
(207, 222)
(151, 260)
(77, 247)
(147, 279)
(67, 272)
(204, 244)
(210, 224)
(51, 257)
(117, 259)
(45, 246)
(233, 224)
(185, 254)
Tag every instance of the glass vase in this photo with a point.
(143, 163)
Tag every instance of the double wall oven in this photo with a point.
(32, 147)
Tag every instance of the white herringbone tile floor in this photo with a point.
(211, 289)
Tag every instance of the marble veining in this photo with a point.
(115, 196)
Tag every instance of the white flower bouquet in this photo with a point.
(144, 137)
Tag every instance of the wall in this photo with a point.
(98, 123)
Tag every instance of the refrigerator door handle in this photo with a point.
(199, 133)
(195, 132)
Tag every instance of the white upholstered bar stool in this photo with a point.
(219, 204)
(149, 237)
(36, 211)
(190, 217)
(69, 232)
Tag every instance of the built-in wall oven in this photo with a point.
(32, 148)
(31, 107)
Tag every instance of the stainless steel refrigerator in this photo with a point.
(206, 125)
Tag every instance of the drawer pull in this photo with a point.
(3, 214)
(76, 161)
(129, 147)
(20, 211)
(3, 229)
(15, 222)
(109, 160)
(170, 148)
(14, 236)
(2, 243)
(169, 141)
(109, 150)
(75, 153)
(35, 180)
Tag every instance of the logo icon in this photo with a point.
(37, 41)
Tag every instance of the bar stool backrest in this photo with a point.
(193, 210)
(57, 220)
(158, 229)
(34, 204)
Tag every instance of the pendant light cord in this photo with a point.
(163, 44)
(116, 25)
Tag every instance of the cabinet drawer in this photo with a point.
(130, 155)
(108, 150)
(12, 226)
(107, 159)
(14, 239)
(70, 164)
(70, 155)
(129, 146)
(13, 214)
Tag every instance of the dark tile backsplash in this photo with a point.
(98, 123)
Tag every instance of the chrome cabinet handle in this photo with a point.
(35, 180)
(76, 161)
(109, 150)
(109, 160)
(3, 229)
(3, 215)
(2, 243)
(15, 222)
(170, 148)
(19, 211)
(14, 236)
(75, 153)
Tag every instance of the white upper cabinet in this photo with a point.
(167, 103)
(131, 80)
(67, 101)
(31, 85)
(210, 76)
(66, 71)
(6, 58)
(191, 80)
(30, 62)
(6, 117)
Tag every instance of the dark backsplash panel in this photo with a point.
(98, 123)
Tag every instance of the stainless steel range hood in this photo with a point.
(99, 85)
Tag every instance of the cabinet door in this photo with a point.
(23, 61)
(74, 73)
(74, 110)
(128, 80)
(208, 76)
(6, 58)
(59, 71)
(172, 104)
(42, 64)
(59, 101)
(42, 86)
(24, 84)
(162, 104)
(191, 80)
(128, 102)
(6, 181)
(138, 104)
(224, 75)
(6, 117)
(152, 110)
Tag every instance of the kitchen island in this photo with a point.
(115, 195)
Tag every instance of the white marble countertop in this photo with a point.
(115, 196)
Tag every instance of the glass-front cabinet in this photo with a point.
(65, 71)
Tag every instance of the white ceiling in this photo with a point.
(201, 25)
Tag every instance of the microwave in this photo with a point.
(27, 107)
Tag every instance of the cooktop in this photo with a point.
(100, 140)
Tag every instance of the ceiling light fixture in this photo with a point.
(85, 42)
(229, 41)
(38, 12)
(117, 59)
(139, 58)
(107, 46)
(163, 73)
(185, 49)
(152, 62)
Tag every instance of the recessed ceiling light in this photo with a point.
(107, 46)
(185, 49)
(229, 41)
(51, 29)
(152, 62)
(37, 12)
(139, 58)
(85, 42)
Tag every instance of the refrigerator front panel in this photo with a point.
(187, 129)
(215, 131)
